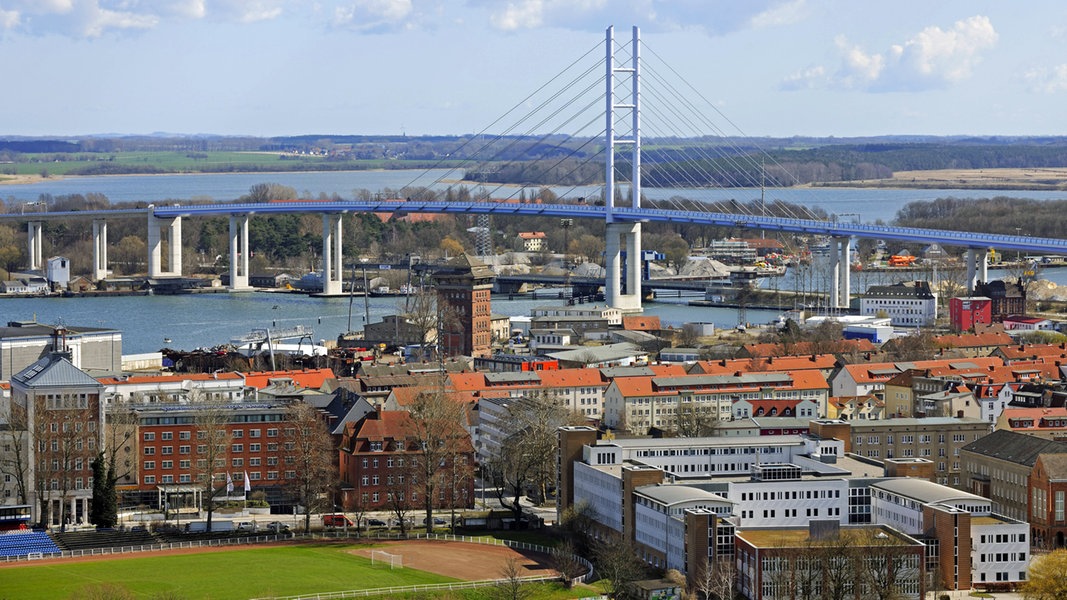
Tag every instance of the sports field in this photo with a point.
(265, 571)
(221, 574)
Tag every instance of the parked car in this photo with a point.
(277, 527)
(436, 521)
(336, 521)
(247, 526)
(376, 523)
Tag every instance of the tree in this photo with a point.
(1048, 577)
(104, 503)
(565, 560)
(589, 246)
(14, 461)
(617, 563)
(308, 443)
(268, 192)
(696, 420)
(511, 585)
(129, 254)
(437, 430)
(451, 246)
(65, 435)
(525, 460)
(716, 579)
(212, 452)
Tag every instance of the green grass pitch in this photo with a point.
(219, 575)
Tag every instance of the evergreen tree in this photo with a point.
(100, 478)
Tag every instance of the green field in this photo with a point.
(236, 574)
(103, 163)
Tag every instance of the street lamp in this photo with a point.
(566, 225)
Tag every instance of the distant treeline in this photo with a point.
(1002, 215)
(564, 160)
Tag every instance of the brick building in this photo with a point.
(464, 308)
(378, 461)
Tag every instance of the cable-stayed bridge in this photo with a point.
(604, 104)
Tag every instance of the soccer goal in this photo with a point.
(381, 557)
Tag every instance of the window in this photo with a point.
(254, 433)
(148, 436)
(167, 450)
(166, 435)
(272, 433)
(183, 449)
(254, 447)
(149, 465)
(238, 433)
(167, 464)
(238, 462)
(149, 450)
(184, 435)
(238, 448)
(149, 479)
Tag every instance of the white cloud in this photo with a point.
(709, 16)
(1047, 80)
(374, 16)
(933, 58)
(786, 13)
(192, 9)
(527, 14)
(9, 19)
(100, 20)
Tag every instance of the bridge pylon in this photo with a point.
(630, 232)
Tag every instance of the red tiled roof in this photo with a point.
(641, 323)
(972, 340)
(142, 379)
(308, 378)
(767, 364)
(800, 348)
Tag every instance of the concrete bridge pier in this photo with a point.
(840, 272)
(156, 227)
(616, 234)
(239, 269)
(977, 260)
(99, 249)
(332, 260)
(34, 236)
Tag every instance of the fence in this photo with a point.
(247, 540)
(234, 541)
(429, 587)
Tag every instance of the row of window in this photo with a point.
(187, 478)
(150, 436)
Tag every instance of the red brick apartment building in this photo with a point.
(379, 454)
(172, 451)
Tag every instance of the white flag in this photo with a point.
(229, 483)
(248, 484)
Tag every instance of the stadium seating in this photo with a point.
(21, 543)
(89, 540)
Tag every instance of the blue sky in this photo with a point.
(283, 67)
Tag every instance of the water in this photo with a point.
(210, 319)
(869, 204)
(205, 320)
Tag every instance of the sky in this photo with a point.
(841, 68)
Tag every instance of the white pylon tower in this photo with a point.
(617, 233)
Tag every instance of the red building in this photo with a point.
(379, 466)
(464, 309)
(1048, 501)
(172, 449)
(965, 313)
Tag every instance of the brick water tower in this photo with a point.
(463, 307)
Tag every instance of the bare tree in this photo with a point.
(66, 437)
(309, 445)
(212, 452)
(422, 317)
(511, 585)
(618, 564)
(400, 485)
(695, 420)
(716, 579)
(437, 430)
(14, 442)
(565, 560)
(525, 460)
